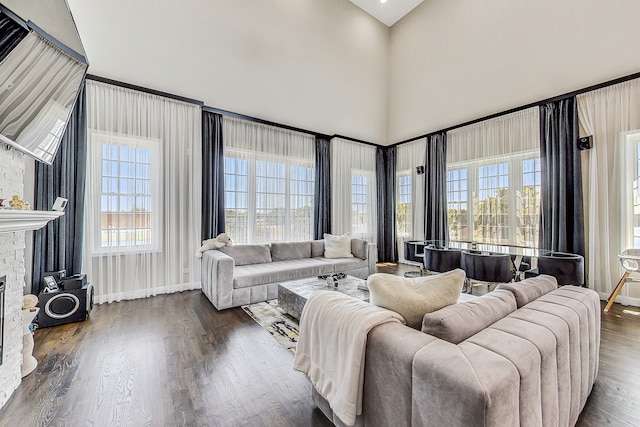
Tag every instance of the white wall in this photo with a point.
(458, 60)
(315, 64)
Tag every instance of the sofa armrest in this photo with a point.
(372, 257)
(391, 348)
(463, 385)
(217, 278)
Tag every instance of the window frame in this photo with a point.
(514, 185)
(252, 159)
(408, 224)
(98, 141)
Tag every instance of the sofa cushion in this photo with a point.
(530, 289)
(343, 264)
(337, 246)
(359, 248)
(455, 323)
(414, 297)
(279, 271)
(290, 250)
(317, 248)
(248, 254)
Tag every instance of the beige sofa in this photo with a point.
(534, 366)
(246, 274)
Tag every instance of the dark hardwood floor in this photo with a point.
(173, 360)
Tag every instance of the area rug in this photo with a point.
(274, 320)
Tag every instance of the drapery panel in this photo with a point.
(435, 217)
(562, 210)
(59, 245)
(410, 193)
(353, 189)
(10, 35)
(322, 203)
(143, 198)
(269, 182)
(609, 114)
(493, 180)
(386, 203)
(212, 175)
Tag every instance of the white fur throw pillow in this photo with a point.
(337, 246)
(413, 298)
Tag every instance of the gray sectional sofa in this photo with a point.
(245, 274)
(524, 355)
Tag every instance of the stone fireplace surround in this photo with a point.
(12, 265)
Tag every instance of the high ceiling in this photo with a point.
(389, 12)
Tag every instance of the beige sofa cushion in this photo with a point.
(290, 250)
(248, 254)
(455, 323)
(530, 289)
(413, 297)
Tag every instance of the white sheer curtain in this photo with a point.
(142, 215)
(353, 189)
(493, 180)
(269, 182)
(39, 84)
(609, 114)
(411, 155)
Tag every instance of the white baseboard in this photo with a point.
(145, 293)
(621, 299)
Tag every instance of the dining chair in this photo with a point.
(439, 260)
(630, 260)
(490, 268)
(568, 269)
(414, 252)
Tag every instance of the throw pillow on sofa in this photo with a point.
(530, 289)
(412, 298)
(457, 322)
(337, 246)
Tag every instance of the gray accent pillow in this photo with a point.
(413, 297)
(248, 254)
(317, 248)
(530, 289)
(290, 250)
(359, 248)
(457, 322)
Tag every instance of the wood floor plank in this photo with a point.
(173, 360)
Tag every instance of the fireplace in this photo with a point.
(3, 281)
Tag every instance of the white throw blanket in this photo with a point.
(332, 345)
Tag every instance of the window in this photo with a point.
(491, 209)
(457, 210)
(268, 199)
(236, 192)
(530, 202)
(129, 201)
(359, 184)
(495, 202)
(404, 223)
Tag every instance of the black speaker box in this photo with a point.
(585, 143)
(64, 306)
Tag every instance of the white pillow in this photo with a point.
(337, 246)
(413, 298)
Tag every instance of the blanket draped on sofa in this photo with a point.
(334, 362)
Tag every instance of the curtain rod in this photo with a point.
(524, 107)
(262, 121)
(144, 89)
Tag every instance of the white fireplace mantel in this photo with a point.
(14, 220)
